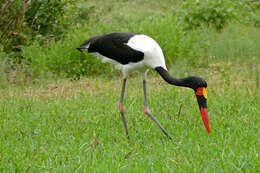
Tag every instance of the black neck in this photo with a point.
(171, 80)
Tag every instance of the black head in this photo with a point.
(195, 82)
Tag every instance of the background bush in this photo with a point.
(62, 58)
(23, 21)
(3, 66)
(216, 13)
(48, 32)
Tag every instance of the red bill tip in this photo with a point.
(204, 115)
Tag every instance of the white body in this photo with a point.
(153, 55)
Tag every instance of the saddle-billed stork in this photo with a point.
(137, 52)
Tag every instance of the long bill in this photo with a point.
(201, 95)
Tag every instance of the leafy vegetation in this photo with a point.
(3, 59)
(176, 41)
(23, 21)
(216, 13)
(63, 58)
(43, 24)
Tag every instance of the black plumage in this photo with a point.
(114, 46)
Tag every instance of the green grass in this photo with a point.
(53, 124)
(75, 126)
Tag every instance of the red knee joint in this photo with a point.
(121, 107)
(146, 110)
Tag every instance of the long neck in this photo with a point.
(171, 80)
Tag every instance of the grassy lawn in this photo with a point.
(75, 126)
(66, 125)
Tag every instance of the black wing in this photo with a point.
(114, 46)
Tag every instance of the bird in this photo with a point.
(130, 51)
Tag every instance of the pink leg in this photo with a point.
(148, 113)
(121, 108)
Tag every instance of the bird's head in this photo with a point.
(199, 85)
(195, 82)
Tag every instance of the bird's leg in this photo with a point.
(121, 108)
(148, 113)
